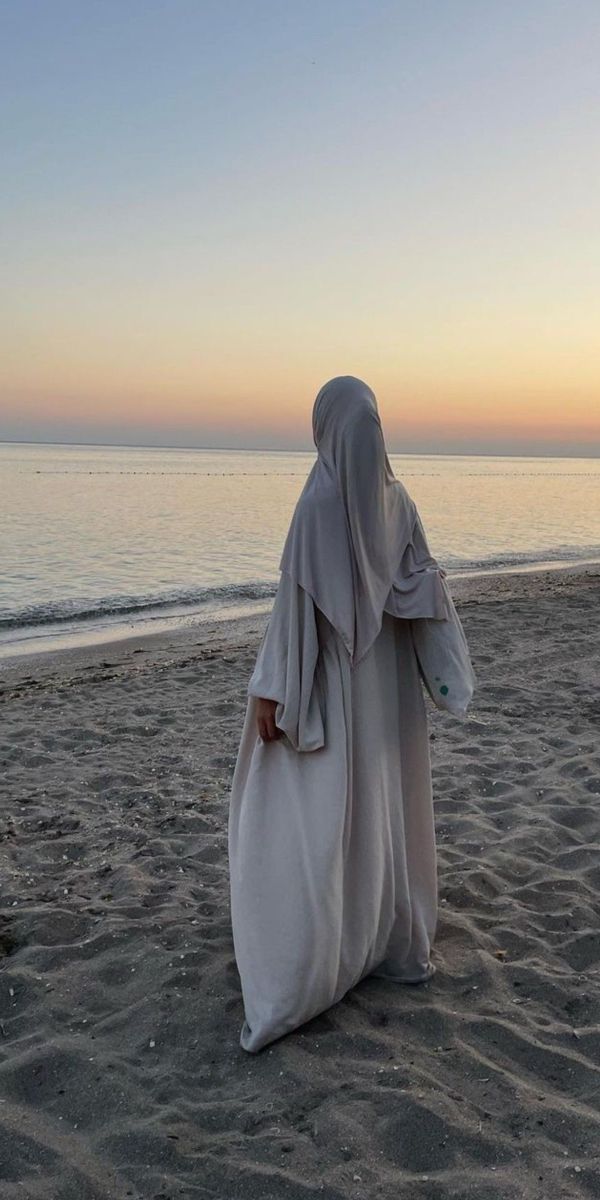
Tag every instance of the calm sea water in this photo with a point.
(113, 536)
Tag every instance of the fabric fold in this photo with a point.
(419, 588)
(285, 669)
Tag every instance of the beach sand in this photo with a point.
(121, 1073)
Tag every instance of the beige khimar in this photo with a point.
(356, 542)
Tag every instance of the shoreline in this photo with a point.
(219, 635)
(169, 619)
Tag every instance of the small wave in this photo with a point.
(62, 611)
(185, 600)
(554, 555)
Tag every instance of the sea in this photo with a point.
(104, 542)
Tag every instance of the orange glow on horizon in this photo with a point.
(439, 392)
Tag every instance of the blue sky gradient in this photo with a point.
(209, 208)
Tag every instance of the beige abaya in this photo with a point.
(331, 831)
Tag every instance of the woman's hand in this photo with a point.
(265, 720)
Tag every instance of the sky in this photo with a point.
(209, 208)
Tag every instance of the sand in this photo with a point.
(121, 1073)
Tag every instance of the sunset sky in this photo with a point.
(209, 207)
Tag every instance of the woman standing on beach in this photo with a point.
(331, 831)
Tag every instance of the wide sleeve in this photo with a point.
(286, 666)
(418, 589)
(421, 594)
(444, 660)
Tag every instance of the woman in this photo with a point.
(331, 831)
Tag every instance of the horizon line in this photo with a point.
(289, 450)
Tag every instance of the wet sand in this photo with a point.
(121, 1073)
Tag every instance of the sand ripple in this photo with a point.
(120, 1069)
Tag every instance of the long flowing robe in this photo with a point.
(331, 832)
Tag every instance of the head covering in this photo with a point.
(356, 543)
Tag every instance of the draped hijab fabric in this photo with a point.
(356, 543)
